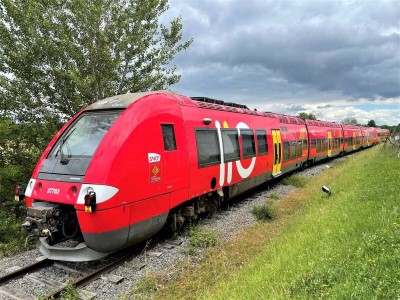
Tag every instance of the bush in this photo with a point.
(267, 211)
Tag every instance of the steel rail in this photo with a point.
(25, 270)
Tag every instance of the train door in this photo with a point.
(172, 169)
(354, 140)
(329, 143)
(277, 145)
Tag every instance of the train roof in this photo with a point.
(323, 123)
(121, 101)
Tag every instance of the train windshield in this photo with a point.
(85, 135)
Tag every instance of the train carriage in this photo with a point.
(293, 134)
(352, 138)
(128, 165)
(326, 139)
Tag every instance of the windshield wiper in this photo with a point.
(63, 159)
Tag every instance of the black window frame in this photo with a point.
(304, 144)
(209, 163)
(286, 155)
(169, 140)
(246, 132)
(293, 149)
(262, 134)
(313, 143)
(299, 148)
(235, 131)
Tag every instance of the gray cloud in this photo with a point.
(290, 51)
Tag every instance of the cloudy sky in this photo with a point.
(335, 59)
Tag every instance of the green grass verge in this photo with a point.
(296, 181)
(346, 246)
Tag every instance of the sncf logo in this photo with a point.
(53, 191)
(153, 157)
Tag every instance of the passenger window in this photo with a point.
(249, 149)
(230, 141)
(293, 149)
(168, 137)
(304, 144)
(299, 148)
(286, 151)
(313, 143)
(207, 147)
(262, 144)
(318, 145)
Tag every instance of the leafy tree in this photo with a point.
(371, 123)
(58, 56)
(306, 116)
(351, 121)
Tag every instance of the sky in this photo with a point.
(335, 59)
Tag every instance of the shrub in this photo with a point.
(267, 211)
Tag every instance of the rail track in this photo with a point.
(79, 275)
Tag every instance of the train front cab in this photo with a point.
(133, 184)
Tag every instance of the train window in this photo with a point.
(293, 149)
(324, 145)
(262, 142)
(304, 144)
(249, 149)
(286, 151)
(318, 145)
(84, 136)
(207, 147)
(168, 137)
(231, 144)
(313, 143)
(299, 148)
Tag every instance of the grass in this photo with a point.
(346, 246)
(200, 238)
(268, 211)
(296, 181)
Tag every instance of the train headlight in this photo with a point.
(90, 201)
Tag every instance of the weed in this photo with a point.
(267, 211)
(274, 195)
(200, 237)
(147, 284)
(70, 293)
(296, 180)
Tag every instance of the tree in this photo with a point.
(58, 56)
(350, 121)
(371, 123)
(306, 116)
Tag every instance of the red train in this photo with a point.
(128, 165)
